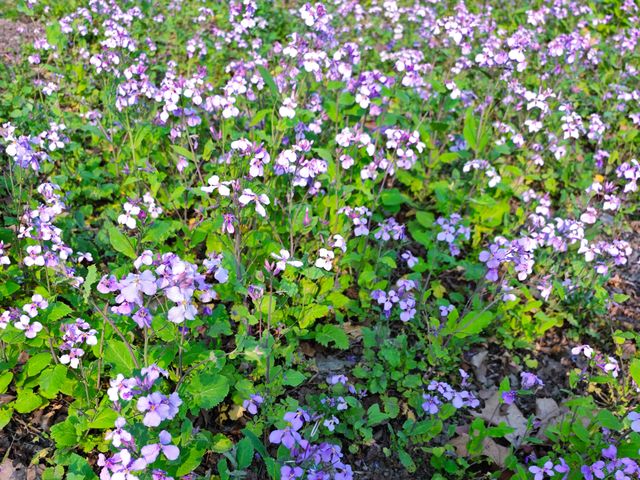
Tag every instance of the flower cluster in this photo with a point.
(451, 231)
(74, 335)
(401, 296)
(443, 393)
(145, 210)
(173, 279)
(24, 321)
(321, 461)
(156, 407)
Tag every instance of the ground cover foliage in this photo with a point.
(339, 240)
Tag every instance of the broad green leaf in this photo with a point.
(244, 453)
(208, 390)
(51, 380)
(5, 380)
(332, 333)
(293, 378)
(117, 354)
(121, 243)
(27, 401)
(472, 323)
(37, 363)
(57, 311)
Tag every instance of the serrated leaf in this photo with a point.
(27, 401)
(208, 390)
(57, 311)
(332, 333)
(51, 380)
(312, 313)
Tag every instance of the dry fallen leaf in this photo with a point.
(479, 364)
(495, 413)
(10, 472)
(490, 449)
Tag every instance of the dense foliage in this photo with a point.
(256, 239)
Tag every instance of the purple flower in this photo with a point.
(158, 407)
(540, 472)
(529, 380)
(253, 403)
(151, 452)
(134, 285)
(509, 397)
(431, 404)
(634, 418)
(287, 436)
(289, 473)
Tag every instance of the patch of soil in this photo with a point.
(626, 280)
(13, 35)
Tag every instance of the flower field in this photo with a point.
(342, 240)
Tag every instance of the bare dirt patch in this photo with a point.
(13, 35)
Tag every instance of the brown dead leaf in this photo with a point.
(479, 364)
(490, 449)
(354, 331)
(236, 412)
(9, 471)
(5, 398)
(496, 413)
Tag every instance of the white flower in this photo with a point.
(283, 259)
(325, 259)
(260, 200)
(215, 184)
(288, 108)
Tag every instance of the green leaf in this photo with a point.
(332, 333)
(121, 243)
(92, 276)
(6, 413)
(268, 80)
(8, 288)
(64, 434)
(117, 354)
(221, 443)
(57, 311)
(312, 313)
(259, 116)
(180, 150)
(406, 461)
(392, 197)
(375, 416)
(470, 130)
(208, 390)
(244, 453)
(27, 401)
(104, 419)
(37, 363)
(472, 323)
(293, 378)
(51, 380)
(5, 380)
(634, 369)
(194, 456)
